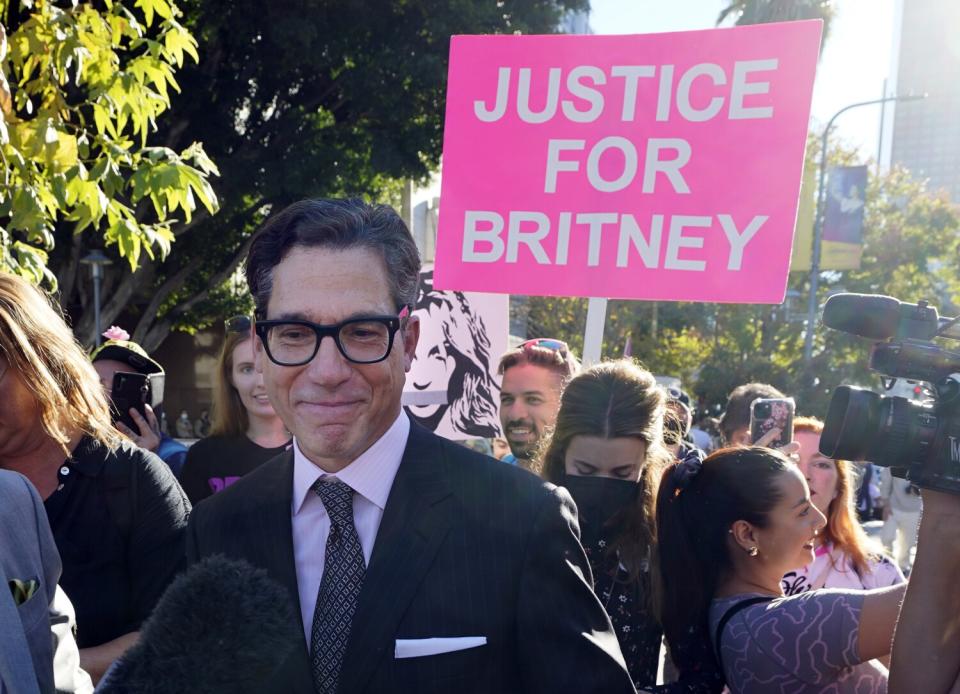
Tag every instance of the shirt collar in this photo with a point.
(370, 475)
(88, 458)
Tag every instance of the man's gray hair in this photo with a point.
(339, 225)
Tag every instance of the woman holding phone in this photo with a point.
(246, 430)
(735, 524)
(844, 557)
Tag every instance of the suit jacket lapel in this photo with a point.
(417, 516)
(16, 664)
(272, 523)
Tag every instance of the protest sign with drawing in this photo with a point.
(453, 388)
(660, 167)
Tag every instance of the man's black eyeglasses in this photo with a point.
(364, 340)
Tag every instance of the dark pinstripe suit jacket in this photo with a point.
(467, 547)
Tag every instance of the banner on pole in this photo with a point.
(803, 236)
(843, 218)
(453, 388)
(841, 245)
(659, 167)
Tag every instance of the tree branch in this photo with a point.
(173, 283)
(67, 279)
(159, 331)
(86, 330)
(199, 215)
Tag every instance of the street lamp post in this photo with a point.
(818, 222)
(96, 260)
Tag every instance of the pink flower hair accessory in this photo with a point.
(116, 333)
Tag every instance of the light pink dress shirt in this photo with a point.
(371, 478)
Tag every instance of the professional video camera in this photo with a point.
(919, 440)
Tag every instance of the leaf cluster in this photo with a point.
(82, 85)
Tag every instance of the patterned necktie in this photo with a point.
(343, 572)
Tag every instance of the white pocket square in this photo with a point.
(416, 648)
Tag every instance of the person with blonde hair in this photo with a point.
(246, 431)
(844, 557)
(117, 513)
(607, 449)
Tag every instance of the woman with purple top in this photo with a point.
(728, 529)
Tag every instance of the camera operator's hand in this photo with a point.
(149, 434)
(926, 645)
(941, 506)
(789, 450)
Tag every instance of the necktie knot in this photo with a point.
(337, 498)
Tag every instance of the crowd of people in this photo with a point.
(318, 540)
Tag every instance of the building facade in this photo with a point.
(926, 134)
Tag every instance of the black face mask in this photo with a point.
(599, 499)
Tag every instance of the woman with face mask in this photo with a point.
(607, 450)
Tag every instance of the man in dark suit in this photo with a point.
(415, 564)
(38, 653)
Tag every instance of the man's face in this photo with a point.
(529, 400)
(335, 408)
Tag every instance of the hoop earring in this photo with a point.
(753, 551)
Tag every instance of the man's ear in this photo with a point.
(744, 535)
(410, 334)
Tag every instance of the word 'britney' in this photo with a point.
(483, 240)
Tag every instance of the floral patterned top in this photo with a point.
(639, 632)
(834, 569)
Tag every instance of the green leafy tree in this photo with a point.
(765, 11)
(82, 85)
(291, 99)
(911, 246)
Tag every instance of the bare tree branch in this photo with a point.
(173, 283)
(67, 279)
(161, 328)
(86, 330)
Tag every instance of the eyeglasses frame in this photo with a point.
(393, 324)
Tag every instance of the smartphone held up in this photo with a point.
(767, 414)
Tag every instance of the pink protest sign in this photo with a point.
(661, 167)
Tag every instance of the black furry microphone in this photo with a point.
(879, 317)
(222, 627)
(868, 315)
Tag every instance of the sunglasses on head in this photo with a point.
(237, 324)
(545, 343)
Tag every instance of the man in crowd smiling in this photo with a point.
(533, 378)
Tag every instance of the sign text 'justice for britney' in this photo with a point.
(660, 167)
